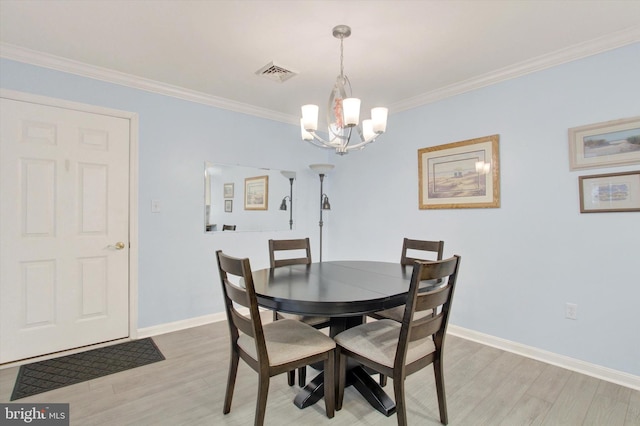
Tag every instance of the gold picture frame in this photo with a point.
(256, 193)
(610, 192)
(606, 144)
(460, 175)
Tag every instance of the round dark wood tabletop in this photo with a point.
(336, 288)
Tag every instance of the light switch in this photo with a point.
(155, 206)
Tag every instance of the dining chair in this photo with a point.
(228, 227)
(293, 249)
(400, 349)
(409, 247)
(270, 349)
(434, 248)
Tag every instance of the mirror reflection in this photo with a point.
(239, 198)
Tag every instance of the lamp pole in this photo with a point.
(291, 203)
(283, 206)
(322, 169)
(321, 223)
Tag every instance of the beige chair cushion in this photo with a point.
(305, 319)
(288, 340)
(378, 341)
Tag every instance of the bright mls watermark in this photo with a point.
(34, 414)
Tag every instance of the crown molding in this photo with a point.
(575, 52)
(58, 63)
(582, 50)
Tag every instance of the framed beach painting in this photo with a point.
(460, 175)
(610, 143)
(612, 192)
(256, 193)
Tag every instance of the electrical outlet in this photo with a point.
(571, 311)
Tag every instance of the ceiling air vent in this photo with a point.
(275, 72)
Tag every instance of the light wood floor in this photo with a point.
(484, 386)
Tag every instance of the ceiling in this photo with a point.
(401, 53)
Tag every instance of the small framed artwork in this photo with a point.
(228, 206)
(460, 175)
(228, 190)
(613, 192)
(256, 193)
(610, 143)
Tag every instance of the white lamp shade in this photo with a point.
(379, 119)
(306, 136)
(367, 130)
(351, 111)
(321, 168)
(288, 174)
(310, 118)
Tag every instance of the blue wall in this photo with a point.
(521, 262)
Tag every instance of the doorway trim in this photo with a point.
(133, 202)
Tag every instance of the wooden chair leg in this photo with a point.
(442, 398)
(231, 381)
(291, 377)
(261, 405)
(401, 409)
(341, 373)
(329, 385)
(302, 376)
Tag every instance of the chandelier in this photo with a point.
(343, 114)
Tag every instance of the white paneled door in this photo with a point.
(64, 228)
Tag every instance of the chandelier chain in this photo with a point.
(342, 58)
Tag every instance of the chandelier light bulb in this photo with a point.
(367, 129)
(351, 111)
(306, 136)
(379, 119)
(310, 117)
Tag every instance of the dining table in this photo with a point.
(344, 291)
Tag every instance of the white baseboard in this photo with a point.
(597, 371)
(170, 327)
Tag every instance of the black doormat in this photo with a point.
(56, 373)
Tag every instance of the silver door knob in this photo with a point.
(119, 245)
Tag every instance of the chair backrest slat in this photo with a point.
(432, 299)
(287, 245)
(425, 327)
(237, 294)
(293, 261)
(436, 247)
(445, 271)
(243, 323)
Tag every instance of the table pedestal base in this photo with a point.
(361, 381)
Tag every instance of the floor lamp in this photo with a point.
(283, 206)
(322, 169)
